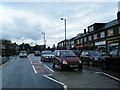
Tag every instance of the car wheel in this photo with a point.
(80, 67)
(41, 59)
(60, 67)
(103, 65)
(53, 65)
(90, 63)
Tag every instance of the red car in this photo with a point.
(66, 59)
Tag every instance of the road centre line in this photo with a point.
(48, 68)
(32, 66)
(34, 69)
(47, 76)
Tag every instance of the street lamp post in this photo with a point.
(65, 29)
(23, 43)
(44, 39)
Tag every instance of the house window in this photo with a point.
(110, 32)
(81, 40)
(118, 30)
(102, 34)
(91, 28)
(90, 38)
(95, 36)
(78, 42)
(85, 39)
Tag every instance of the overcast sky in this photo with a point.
(27, 20)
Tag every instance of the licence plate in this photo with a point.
(73, 65)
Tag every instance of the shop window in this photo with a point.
(95, 36)
(118, 30)
(90, 38)
(110, 32)
(102, 34)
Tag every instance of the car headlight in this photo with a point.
(95, 58)
(65, 62)
(80, 61)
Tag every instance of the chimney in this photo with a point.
(84, 31)
(118, 14)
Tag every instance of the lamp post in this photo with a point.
(44, 39)
(65, 29)
(23, 43)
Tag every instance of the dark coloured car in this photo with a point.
(91, 57)
(77, 53)
(47, 55)
(112, 60)
(37, 53)
(66, 59)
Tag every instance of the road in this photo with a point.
(30, 72)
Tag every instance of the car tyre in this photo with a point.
(60, 67)
(54, 65)
(90, 63)
(103, 65)
(80, 67)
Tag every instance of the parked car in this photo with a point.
(91, 57)
(77, 53)
(47, 55)
(66, 59)
(23, 54)
(37, 53)
(112, 60)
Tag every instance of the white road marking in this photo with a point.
(34, 69)
(108, 75)
(47, 76)
(111, 76)
(49, 68)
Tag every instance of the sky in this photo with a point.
(27, 20)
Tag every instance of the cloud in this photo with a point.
(29, 20)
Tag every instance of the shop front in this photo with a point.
(101, 46)
(113, 44)
(89, 46)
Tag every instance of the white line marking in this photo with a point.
(49, 68)
(110, 76)
(47, 76)
(34, 69)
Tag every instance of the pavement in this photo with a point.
(5, 59)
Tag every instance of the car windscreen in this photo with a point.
(37, 51)
(94, 53)
(67, 54)
(47, 52)
(114, 52)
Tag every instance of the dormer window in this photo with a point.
(91, 28)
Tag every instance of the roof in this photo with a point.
(112, 23)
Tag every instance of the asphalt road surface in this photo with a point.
(20, 73)
(30, 72)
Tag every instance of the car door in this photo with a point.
(113, 60)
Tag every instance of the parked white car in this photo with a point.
(23, 54)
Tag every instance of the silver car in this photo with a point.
(47, 55)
